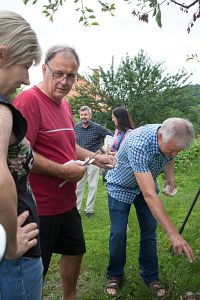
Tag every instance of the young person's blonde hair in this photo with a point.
(22, 46)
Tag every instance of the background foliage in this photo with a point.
(188, 157)
(144, 87)
(142, 9)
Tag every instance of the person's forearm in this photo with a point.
(169, 171)
(8, 210)
(147, 187)
(157, 209)
(180, 246)
(102, 161)
(72, 172)
(45, 166)
(82, 153)
(8, 194)
(170, 182)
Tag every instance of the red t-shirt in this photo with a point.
(51, 134)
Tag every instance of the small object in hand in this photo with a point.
(108, 143)
(167, 191)
(3, 242)
(88, 161)
(85, 162)
(108, 166)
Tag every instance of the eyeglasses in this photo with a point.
(60, 75)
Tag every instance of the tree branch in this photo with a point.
(183, 5)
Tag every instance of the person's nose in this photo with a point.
(174, 153)
(26, 80)
(64, 80)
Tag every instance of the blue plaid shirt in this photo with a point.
(138, 153)
(91, 138)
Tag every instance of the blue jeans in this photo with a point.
(148, 260)
(21, 279)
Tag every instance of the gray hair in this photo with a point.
(85, 107)
(51, 52)
(22, 46)
(178, 128)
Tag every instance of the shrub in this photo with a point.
(189, 156)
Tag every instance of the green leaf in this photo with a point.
(44, 11)
(81, 19)
(92, 17)
(154, 12)
(89, 9)
(95, 23)
(158, 17)
(25, 1)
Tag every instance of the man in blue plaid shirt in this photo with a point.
(147, 151)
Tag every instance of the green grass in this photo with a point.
(176, 273)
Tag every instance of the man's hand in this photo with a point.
(105, 161)
(170, 187)
(26, 235)
(73, 172)
(171, 183)
(180, 246)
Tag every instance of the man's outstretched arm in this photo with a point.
(147, 187)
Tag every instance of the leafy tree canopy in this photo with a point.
(139, 8)
(145, 88)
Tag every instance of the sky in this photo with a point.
(115, 37)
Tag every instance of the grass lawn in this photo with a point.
(176, 273)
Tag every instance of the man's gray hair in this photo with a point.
(178, 128)
(22, 46)
(51, 52)
(85, 107)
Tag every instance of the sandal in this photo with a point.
(191, 296)
(157, 288)
(113, 283)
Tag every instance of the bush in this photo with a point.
(189, 156)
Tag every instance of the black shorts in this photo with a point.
(62, 234)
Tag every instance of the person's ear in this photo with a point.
(161, 144)
(2, 54)
(160, 138)
(44, 70)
